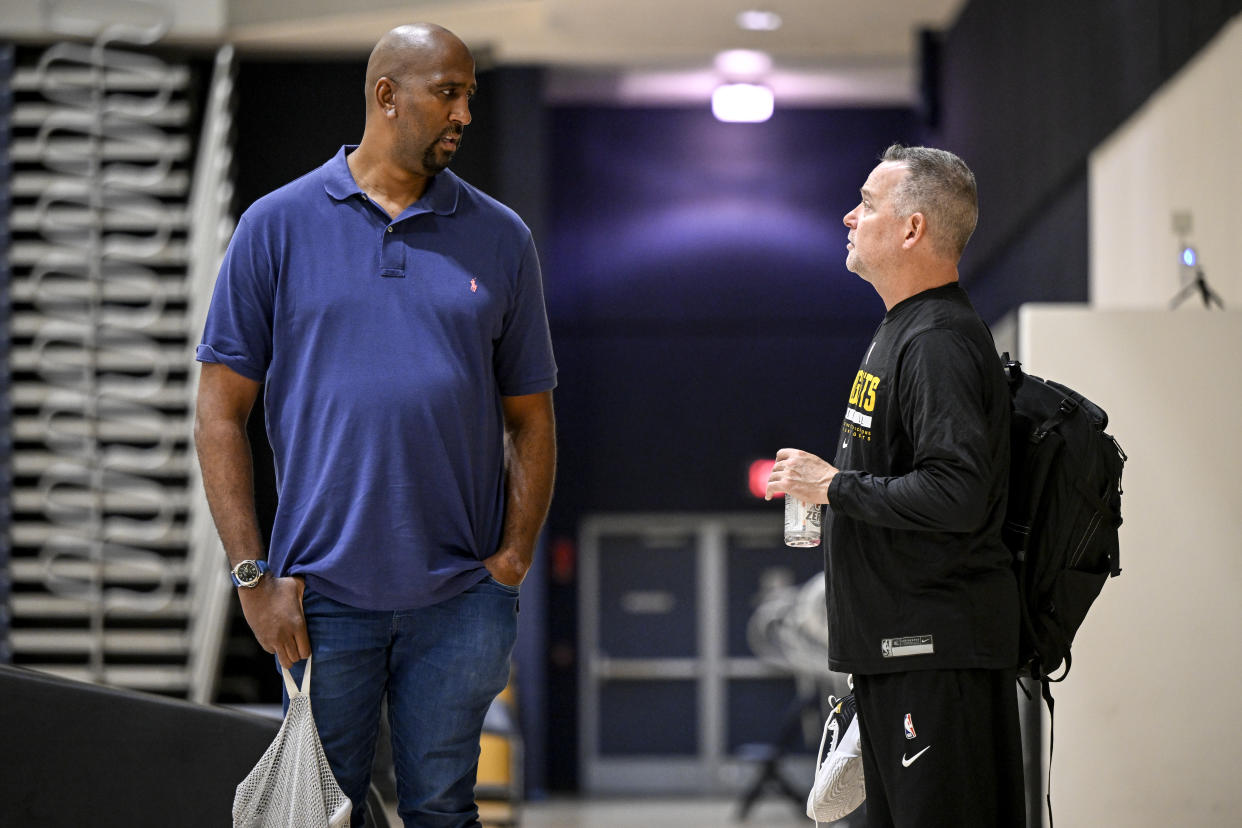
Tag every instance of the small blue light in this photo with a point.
(1188, 256)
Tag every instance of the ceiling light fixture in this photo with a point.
(757, 20)
(742, 97)
(746, 103)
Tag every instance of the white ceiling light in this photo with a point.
(743, 98)
(748, 103)
(755, 20)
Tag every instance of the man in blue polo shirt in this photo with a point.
(394, 316)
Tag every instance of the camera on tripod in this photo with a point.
(1191, 274)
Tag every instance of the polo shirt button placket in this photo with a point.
(392, 262)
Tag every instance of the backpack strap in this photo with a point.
(1069, 659)
(1046, 692)
(1034, 480)
(1019, 530)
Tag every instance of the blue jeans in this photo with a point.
(440, 666)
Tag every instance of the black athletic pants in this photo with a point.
(941, 748)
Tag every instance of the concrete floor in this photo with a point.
(653, 812)
(657, 813)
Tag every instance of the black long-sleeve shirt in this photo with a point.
(917, 574)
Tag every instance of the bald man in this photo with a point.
(394, 316)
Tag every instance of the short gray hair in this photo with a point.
(939, 185)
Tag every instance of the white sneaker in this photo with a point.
(838, 788)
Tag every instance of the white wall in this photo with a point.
(1181, 151)
(1146, 724)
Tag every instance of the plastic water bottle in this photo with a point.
(803, 522)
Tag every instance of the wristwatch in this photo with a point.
(247, 574)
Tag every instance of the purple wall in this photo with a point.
(702, 317)
(701, 310)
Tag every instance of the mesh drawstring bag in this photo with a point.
(292, 786)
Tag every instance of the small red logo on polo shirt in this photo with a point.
(474, 286)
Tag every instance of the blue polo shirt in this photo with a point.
(386, 346)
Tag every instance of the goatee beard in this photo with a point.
(432, 157)
(433, 163)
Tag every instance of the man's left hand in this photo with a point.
(508, 567)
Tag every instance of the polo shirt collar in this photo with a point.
(440, 197)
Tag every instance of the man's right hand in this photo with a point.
(801, 474)
(273, 609)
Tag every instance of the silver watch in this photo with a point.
(247, 574)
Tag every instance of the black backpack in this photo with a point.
(1061, 521)
(1063, 513)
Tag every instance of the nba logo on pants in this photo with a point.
(909, 727)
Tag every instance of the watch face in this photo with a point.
(247, 572)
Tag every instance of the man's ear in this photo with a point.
(385, 93)
(915, 230)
